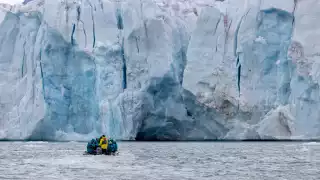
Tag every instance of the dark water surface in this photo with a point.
(151, 161)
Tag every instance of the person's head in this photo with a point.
(103, 135)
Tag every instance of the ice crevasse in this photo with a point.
(160, 70)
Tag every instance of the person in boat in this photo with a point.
(112, 146)
(103, 144)
(92, 146)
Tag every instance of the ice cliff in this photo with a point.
(160, 70)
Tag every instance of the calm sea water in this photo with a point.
(152, 161)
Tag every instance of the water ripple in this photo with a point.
(144, 161)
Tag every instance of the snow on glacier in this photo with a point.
(156, 70)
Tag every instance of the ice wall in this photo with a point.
(159, 70)
(265, 69)
(304, 53)
(97, 61)
(22, 101)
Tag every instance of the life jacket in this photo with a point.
(103, 143)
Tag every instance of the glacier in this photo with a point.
(159, 70)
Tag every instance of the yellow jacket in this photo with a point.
(103, 143)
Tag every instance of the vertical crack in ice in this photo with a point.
(227, 29)
(101, 5)
(124, 65)
(78, 13)
(67, 8)
(145, 28)
(23, 59)
(237, 33)
(293, 12)
(216, 27)
(137, 44)
(93, 24)
(84, 33)
(72, 34)
(238, 64)
(238, 74)
(217, 40)
(33, 64)
(144, 23)
(41, 72)
(119, 19)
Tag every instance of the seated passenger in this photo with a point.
(103, 144)
(112, 146)
(92, 146)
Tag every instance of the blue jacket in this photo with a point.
(112, 147)
(92, 146)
